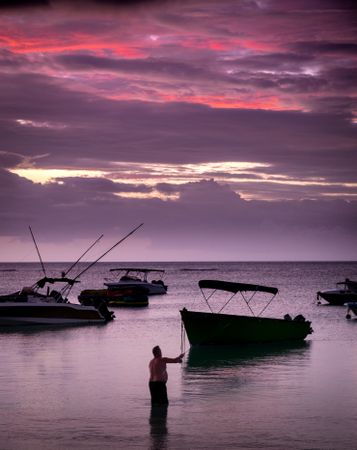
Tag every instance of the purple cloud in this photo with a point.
(227, 127)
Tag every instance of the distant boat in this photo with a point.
(346, 291)
(40, 305)
(129, 276)
(210, 328)
(351, 307)
(128, 296)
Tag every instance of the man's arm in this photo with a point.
(174, 360)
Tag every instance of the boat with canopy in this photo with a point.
(346, 291)
(217, 328)
(134, 276)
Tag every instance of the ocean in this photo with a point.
(86, 387)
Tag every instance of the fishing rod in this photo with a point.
(74, 264)
(38, 252)
(105, 253)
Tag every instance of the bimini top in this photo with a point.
(235, 287)
(136, 269)
(351, 284)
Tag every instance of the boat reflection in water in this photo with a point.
(220, 373)
(215, 357)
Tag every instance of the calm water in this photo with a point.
(86, 387)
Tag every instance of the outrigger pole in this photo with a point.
(111, 248)
(74, 264)
(38, 252)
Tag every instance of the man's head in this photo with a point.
(156, 351)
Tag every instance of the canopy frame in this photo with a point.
(64, 291)
(234, 288)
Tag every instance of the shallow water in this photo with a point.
(86, 387)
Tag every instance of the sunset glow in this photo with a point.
(219, 114)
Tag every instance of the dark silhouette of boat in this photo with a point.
(346, 291)
(210, 328)
(124, 296)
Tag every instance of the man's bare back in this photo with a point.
(157, 367)
(158, 373)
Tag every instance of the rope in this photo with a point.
(183, 340)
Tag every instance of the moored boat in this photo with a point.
(134, 277)
(216, 328)
(124, 296)
(41, 313)
(346, 291)
(30, 306)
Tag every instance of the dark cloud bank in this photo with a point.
(208, 221)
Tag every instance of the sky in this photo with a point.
(227, 127)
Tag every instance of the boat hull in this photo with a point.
(17, 314)
(224, 329)
(151, 288)
(338, 297)
(124, 297)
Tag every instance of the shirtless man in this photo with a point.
(158, 376)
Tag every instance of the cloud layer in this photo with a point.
(228, 127)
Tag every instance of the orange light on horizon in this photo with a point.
(78, 42)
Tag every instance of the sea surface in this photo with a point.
(86, 387)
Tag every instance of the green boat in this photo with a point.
(131, 296)
(215, 328)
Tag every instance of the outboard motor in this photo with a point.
(103, 309)
(159, 282)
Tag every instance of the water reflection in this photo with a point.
(158, 427)
(215, 371)
(43, 329)
(226, 356)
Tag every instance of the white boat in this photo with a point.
(30, 306)
(40, 313)
(346, 291)
(129, 276)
